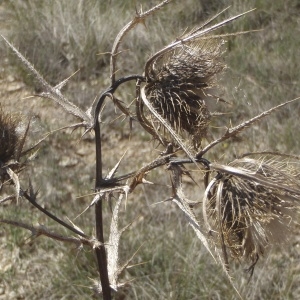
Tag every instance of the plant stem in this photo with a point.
(101, 254)
(50, 215)
(100, 251)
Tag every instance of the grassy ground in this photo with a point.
(60, 37)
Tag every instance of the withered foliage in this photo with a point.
(178, 83)
(9, 137)
(248, 206)
(251, 205)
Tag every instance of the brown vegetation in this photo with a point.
(249, 204)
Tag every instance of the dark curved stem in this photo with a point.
(50, 215)
(178, 160)
(100, 251)
(100, 182)
(111, 90)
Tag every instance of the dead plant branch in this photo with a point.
(37, 231)
(239, 128)
(53, 93)
(139, 18)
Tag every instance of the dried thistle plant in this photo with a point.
(178, 81)
(10, 139)
(252, 204)
(11, 144)
(249, 205)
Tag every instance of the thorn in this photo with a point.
(126, 190)
(64, 82)
(75, 226)
(139, 12)
(146, 181)
(143, 22)
(115, 168)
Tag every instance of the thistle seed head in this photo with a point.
(249, 215)
(178, 82)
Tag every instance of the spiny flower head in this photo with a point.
(178, 82)
(253, 206)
